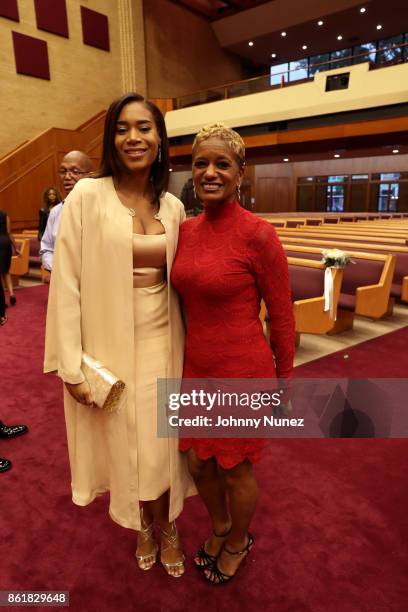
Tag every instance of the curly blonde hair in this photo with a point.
(232, 139)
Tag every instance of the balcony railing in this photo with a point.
(377, 58)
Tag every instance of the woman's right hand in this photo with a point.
(81, 392)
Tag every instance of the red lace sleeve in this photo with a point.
(270, 268)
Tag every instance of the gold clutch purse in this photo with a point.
(106, 388)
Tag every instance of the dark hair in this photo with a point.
(110, 163)
(45, 197)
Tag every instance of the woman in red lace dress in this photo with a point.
(227, 260)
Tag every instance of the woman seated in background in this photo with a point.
(7, 250)
(227, 260)
(51, 197)
(109, 298)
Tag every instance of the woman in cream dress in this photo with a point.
(109, 297)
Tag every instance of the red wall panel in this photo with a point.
(52, 16)
(31, 56)
(95, 29)
(9, 9)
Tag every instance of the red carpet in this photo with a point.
(382, 357)
(329, 530)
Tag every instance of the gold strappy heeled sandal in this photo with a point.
(146, 562)
(172, 542)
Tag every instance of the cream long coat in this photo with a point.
(90, 309)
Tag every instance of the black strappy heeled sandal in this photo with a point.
(206, 560)
(216, 576)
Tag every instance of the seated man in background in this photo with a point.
(74, 166)
(7, 432)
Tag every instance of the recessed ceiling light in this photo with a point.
(395, 150)
(304, 46)
(286, 159)
(363, 9)
(251, 43)
(340, 37)
(337, 155)
(283, 33)
(379, 27)
(320, 23)
(273, 55)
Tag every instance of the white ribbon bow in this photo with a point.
(329, 293)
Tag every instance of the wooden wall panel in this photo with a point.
(272, 194)
(23, 204)
(403, 197)
(293, 171)
(27, 171)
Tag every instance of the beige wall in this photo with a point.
(182, 52)
(84, 80)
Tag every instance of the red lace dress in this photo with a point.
(227, 259)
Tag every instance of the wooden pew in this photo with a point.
(364, 230)
(366, 284)
(34, 256)
(340, 237)
(307, 286)
(20, 263)
(399, 287)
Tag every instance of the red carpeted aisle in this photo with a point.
(382, 357)
(331, 527)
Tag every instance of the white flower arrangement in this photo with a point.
(335, 258)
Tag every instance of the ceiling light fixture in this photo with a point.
(286, 159)
(363, 9)
(340, 37)
(273, 55)
(283, 34)
(251, 43)
(304, 47)
(337, 155)
(320, 23)
(395, 150)
(379, 27)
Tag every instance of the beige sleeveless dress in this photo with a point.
(150, 307)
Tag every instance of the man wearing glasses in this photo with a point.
(74, 166)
